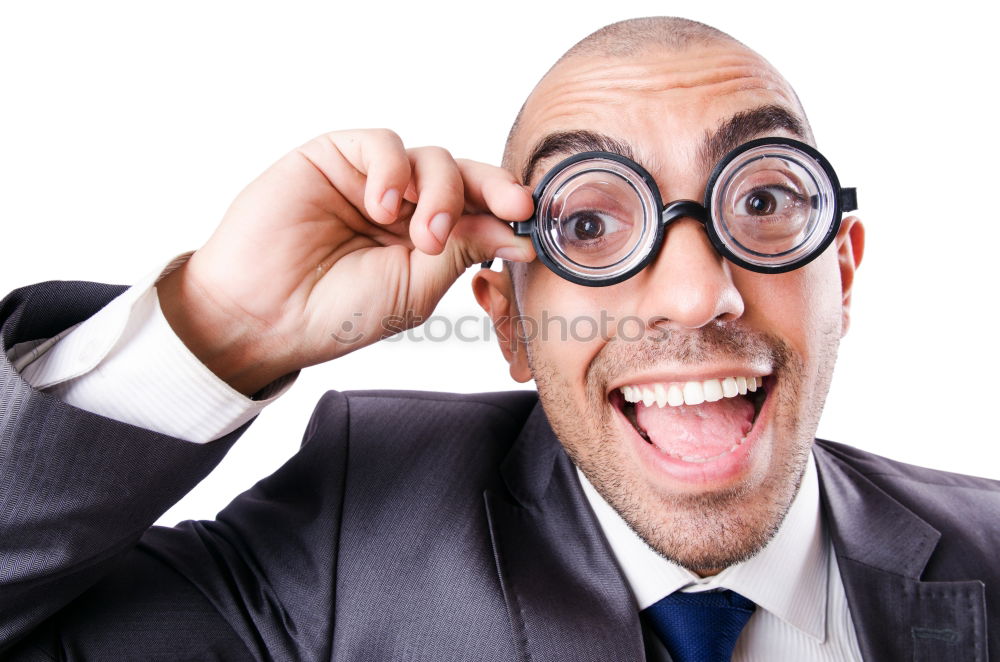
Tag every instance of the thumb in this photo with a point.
(480, 237)
(475, 238)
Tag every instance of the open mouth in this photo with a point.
(695, 421)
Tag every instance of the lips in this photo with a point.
(697, 428)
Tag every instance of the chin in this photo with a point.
(704, 474)
(704, 513)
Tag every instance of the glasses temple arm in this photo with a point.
(848, 199)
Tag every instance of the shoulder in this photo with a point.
(419, 413)
(965, 509)
(895, 476)
(514, 405)
(398, 435)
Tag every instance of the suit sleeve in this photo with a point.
(82, 576)
(127, 363)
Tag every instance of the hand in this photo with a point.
(339, 235)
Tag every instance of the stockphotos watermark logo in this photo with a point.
(480, 328)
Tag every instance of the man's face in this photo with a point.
(705, 485)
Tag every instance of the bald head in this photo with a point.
(635, 35)
(631, 38)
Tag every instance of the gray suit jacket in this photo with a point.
(410, 526)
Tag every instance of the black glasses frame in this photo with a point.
(845, 200)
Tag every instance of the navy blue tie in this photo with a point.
(700, 627)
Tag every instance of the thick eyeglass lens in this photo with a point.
(773, 206)
(597, 219)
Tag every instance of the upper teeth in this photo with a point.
(690, 393)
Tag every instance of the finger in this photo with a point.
(495, 191)
(480, 237)
(440, 197)
(380, 156)
(474, 239)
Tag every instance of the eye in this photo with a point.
(589, 227)
(593, 219)
(770, 201)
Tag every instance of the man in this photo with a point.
(428, 526)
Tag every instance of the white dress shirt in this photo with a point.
(802, 611)
(126, 363)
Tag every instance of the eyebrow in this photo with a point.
(573, 142)
(730, 134)
(746, 125)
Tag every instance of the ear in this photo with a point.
(850, 244)
(495, 293)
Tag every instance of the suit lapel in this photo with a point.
(566, 597)
(882, 549)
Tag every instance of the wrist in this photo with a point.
(240, 350)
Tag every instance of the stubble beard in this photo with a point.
(711, 531)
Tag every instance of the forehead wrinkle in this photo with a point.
(581, 112)
(652, 73)
(600, 81)
(580, 97)
(578, 94)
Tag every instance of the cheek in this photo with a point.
(566, 325)
(802, 307)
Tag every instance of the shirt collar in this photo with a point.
(788, 578)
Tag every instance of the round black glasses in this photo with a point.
(771, 205)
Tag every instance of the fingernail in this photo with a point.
(509, 253)
(390, 201)
(440, 225)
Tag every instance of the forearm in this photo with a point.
(242, 351)
(79, 488)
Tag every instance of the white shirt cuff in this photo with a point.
(126, 363)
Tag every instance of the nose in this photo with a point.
(689, 284)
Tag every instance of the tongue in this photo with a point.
(697, 432)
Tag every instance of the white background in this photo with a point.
(126, 129)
